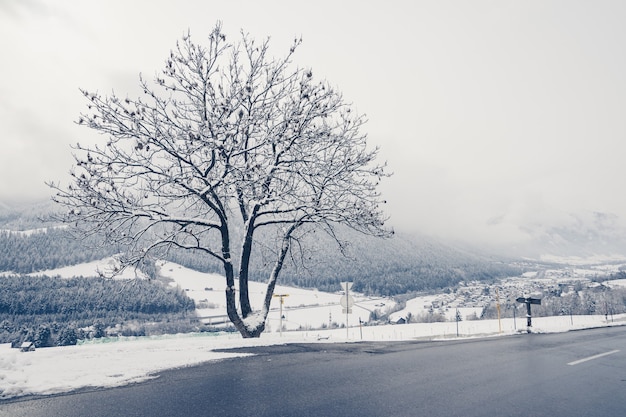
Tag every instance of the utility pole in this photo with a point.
(498, 308)
(347, 302)
(348, 311)
(282, 301)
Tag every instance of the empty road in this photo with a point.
(580, 373)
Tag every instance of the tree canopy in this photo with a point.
(225, 142)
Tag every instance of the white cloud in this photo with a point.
(477, 107)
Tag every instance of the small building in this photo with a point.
(27, 347)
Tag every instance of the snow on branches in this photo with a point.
(225, 135)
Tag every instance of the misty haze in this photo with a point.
(201, 184)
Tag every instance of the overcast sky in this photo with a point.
(493, 115)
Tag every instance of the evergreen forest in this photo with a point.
(58, 311)
(24, 253)
(377, 267)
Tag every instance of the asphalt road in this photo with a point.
(572, 374)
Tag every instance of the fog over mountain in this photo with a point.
(501, 121)
(582, 234)
(404, 263)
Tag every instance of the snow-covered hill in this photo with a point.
(117, 361)
(102, 267)
(302, 308)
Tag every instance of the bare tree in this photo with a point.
(226, 141)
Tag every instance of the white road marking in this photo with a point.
(590, 358)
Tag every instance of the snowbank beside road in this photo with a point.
(126, 360)
(119, 362)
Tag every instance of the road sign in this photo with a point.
(346, 301)
(529, 300)
(281, 296)
(346, 310)
(282, 301)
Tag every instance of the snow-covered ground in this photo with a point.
(616, 283)
(302, 308)
(420, 306)
(119, 361)
(30, 232)
(104, 267)
(114, 362)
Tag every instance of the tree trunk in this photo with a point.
(231, 304)
(248, 334)
(244, 297)
(246, 330)
(238, 321)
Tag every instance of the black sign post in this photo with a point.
(528, 301)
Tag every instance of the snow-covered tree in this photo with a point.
(226, 142)
(68, 336)
(43, 337)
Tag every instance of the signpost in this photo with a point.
(498, 308)
(528, 301)
(361, 327)
(282, 301)
(346, 302)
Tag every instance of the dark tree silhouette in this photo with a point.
(225, 142)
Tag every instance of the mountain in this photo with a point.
(25, 215)
(401, 264)
(582, 234)
(29, 242)
(392, 266)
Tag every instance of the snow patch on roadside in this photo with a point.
(120, 361)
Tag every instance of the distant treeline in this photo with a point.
(57, 311)
(403, 272)
(391, 280)
(377, 267)
(39, 251)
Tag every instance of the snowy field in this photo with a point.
(119, 361)
(302, 308)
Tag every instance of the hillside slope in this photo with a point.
(392, 266)
(398, 265)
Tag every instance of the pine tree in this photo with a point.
(68, 336)
(43, 337)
